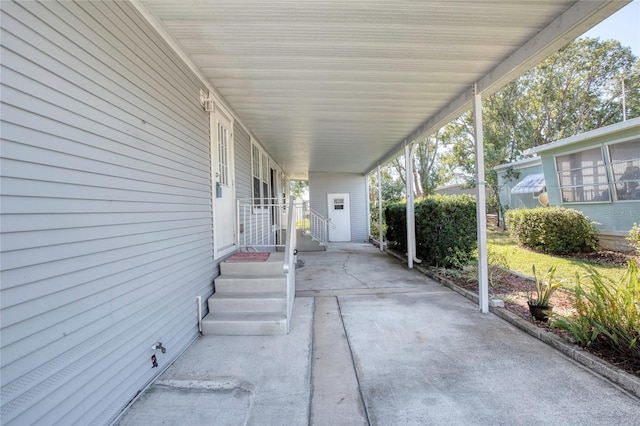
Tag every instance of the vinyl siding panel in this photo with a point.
(106, 209)
(242, 147)
(321, 184)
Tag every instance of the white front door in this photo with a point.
(340, 217)
(224, 194)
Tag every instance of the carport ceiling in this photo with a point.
(339, 85)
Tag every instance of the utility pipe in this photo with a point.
(199, 301)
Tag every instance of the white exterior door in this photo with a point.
(340, 217)
(224, 194)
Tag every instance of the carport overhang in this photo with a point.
(345, 86)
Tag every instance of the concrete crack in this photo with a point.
(349, 274)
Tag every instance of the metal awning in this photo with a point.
(342, 85)
(530, 183)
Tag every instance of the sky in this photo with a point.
(624, 26)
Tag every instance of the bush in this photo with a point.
(634, 237)
(445, 229)
(553, 230)
(607, 313)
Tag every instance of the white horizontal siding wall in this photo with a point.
(321, 184)
(106, 209)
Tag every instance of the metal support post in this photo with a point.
(411, 227)
(481, 212)
(381, 234)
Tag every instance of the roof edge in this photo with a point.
(534, 161)
(592, 134)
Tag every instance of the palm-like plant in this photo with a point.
(545, 287)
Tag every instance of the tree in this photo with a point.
(428, 170)
(575, 90)
(298, 188)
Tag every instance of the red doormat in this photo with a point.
(249, 257)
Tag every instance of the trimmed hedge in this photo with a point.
(553, 230)
(445, 229)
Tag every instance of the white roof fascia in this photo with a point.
(592, 134)
(564, 29)
(527, 162)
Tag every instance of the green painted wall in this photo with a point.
(618, 216)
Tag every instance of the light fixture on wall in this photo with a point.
(206, 100)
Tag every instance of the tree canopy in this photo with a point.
(577, 89)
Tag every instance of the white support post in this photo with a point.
(381, 236)
(367, 186)
(411, 227)
(481, 213)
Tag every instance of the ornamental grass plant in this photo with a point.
(545, 287)
(607, 313)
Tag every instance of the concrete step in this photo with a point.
(244, 324)
(250, 283)
(305, 243)
(272, 301)
(273, 266)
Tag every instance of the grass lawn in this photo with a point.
(503, 249)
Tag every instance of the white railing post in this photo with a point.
(289, 266)
(264, 223)
(238, 216)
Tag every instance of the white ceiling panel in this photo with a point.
(338, 85)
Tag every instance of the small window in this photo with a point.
(260, 176)
(223, 154)
(625, 170)
(255, 163)
(265, 179)
(338, 204)
(583, 177)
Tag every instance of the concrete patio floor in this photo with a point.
(373, 343)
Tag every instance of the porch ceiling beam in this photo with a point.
(567, 27)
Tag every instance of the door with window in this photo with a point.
(224, 194)
(339, 216)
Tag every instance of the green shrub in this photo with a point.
(553, 230)
(396, 219)
(445, 229)
(634, 237)
(607, 313)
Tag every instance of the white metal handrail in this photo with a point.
(263, 225)
(260, 225)
(312, 223)
(289, 266)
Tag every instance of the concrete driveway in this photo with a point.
(373, 343)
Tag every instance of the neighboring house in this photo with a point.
(524, 190)
(123, 162)
(597, 173)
